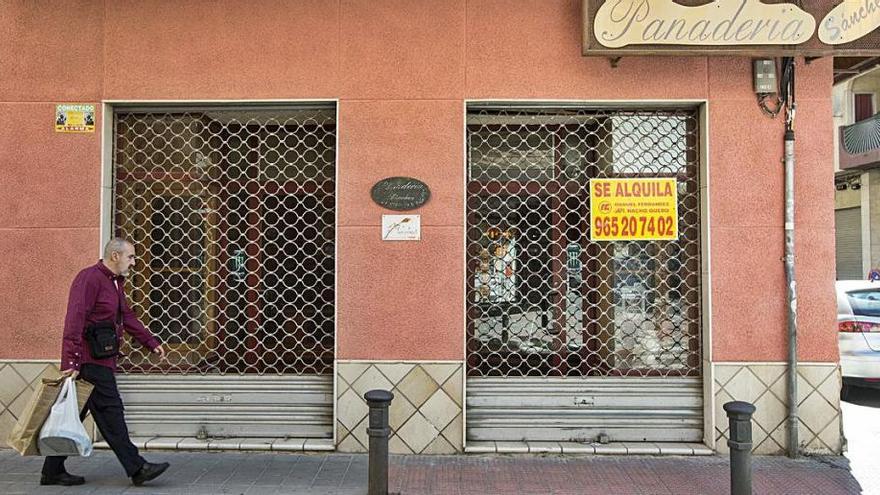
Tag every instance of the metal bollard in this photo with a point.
(740, 415)
(379, 431)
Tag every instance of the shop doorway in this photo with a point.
(569, 339)
(232, 211)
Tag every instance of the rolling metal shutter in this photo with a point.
(579, 410)
(228, 406)
(848, 236)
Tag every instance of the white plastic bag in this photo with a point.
(63, 433)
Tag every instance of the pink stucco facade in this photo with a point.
(401, 72)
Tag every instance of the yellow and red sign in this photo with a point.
(75, 118)
(633, 210)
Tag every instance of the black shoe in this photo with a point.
(149, 471)
(63, 479)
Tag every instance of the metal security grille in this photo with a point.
(542, 299)
(232, 212)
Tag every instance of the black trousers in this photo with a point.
(106, 407)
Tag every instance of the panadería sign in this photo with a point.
(722, 22)
(850, 21)
(730, 26)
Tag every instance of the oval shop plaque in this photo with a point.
(400, 193)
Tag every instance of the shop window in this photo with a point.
(233, 211)
(545, 301)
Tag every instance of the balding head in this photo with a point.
(115, 245)
(119, 256)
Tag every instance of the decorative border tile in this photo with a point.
(425, 415)
(765, 386)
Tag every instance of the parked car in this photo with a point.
(858, 332)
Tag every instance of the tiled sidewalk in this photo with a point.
(196, 473)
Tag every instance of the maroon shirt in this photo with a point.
(94, 298)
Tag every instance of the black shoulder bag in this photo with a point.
(101, 336)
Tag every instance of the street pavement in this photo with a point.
(275, 473)
(205, 472)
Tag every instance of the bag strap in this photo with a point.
(71, 392)
(65, 390)
(119, 300)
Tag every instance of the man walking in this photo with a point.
(97, 295)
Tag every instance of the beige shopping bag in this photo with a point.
(26, 432)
